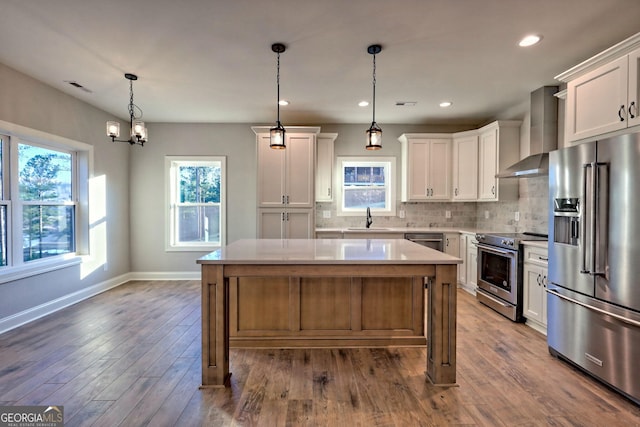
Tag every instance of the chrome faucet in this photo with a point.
(369, 219)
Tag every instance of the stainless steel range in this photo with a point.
(500, 257)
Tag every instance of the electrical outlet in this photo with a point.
(447, 214)
(486, 214)
(326, 214)
(517, 216)
(401, 214)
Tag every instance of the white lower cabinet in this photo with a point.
(286, 223)
(472, 264)
(462, 254)
(535, 287)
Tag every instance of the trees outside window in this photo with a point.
(45, 192)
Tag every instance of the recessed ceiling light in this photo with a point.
(363, 104)
(283, 102)
(530, 40)
(445, 104)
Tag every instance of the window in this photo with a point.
(43, 184)
(366, 182)
(196, 193)
(46, 200)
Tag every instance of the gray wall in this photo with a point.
(148, 208)
(30, 103)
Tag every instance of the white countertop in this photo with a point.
(326, 251)
(391, 230)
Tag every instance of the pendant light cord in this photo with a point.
(278, 84)
(374, 88)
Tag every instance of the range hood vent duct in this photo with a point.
(543, 136)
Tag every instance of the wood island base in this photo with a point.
(327, 305)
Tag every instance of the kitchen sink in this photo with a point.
(368, 229)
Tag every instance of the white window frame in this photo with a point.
(82, 171)
(388, 163)
(171, 197)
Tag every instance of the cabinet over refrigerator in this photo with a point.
(593, 300)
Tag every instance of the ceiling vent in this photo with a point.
(406, 103)
(78, 85)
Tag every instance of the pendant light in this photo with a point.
(137, 131)
(276, 134)
(374, 133)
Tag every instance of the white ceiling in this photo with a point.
(211, 60)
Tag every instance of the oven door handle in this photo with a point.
(494, 250)
(497, 301)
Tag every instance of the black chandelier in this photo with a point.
(276, 134)
(374, 133)
(138, 132)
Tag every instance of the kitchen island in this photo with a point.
(327, 293)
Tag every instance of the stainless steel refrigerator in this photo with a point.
(593, 296)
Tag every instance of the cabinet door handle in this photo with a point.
(620, 111)
(287, 200)
(632, 105)
(455, 191)
(542, 258)
(283, 216)
(283, 199)
(329, 191)
(493, 190)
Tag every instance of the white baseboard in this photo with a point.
(165, 275)
(34, 313)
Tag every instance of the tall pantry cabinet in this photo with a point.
(286, 186)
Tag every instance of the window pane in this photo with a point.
(198, 223)
(199, 184)
(3, 235)
(44, 175)
(358, 198)
(47, 231)
(364, 175)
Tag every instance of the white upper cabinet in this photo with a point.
(498, 148)
(465, 168)
(324, 166)
(426, 167)
(598, 101)
(603, 92)
(286, 177)
(488, 165)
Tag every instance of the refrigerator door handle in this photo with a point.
(590, 206)
(597, 217)
(596, 309)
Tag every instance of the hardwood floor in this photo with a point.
(131, 357)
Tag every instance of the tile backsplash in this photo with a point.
(532, 206)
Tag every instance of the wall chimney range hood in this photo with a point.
(543, 136)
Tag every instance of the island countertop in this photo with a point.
(326, 251)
